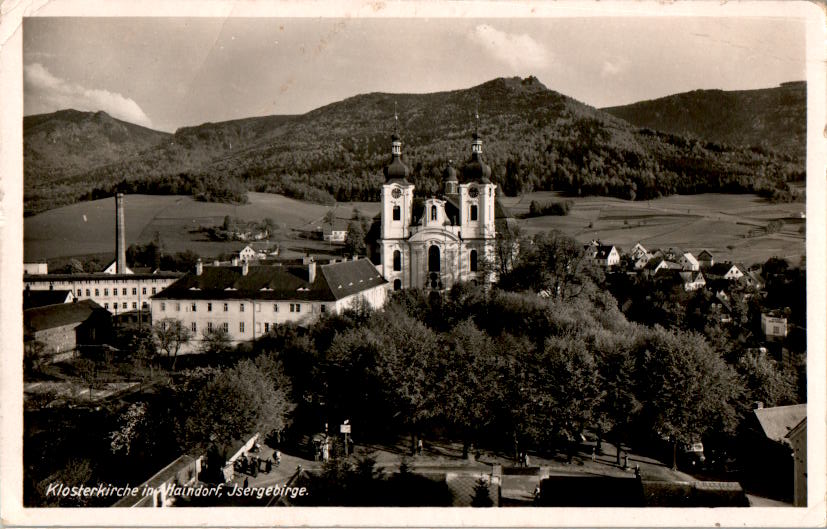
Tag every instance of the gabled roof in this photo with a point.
(777, 422)
(276, 282)
(705, 255)
(41, 298)
(51, 316)
(720, 269)
(689, 257)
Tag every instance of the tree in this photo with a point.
(686, 389)
(132, 422)
(88, 372)
(355, 239)
(171, 335)
(252, 396)
(482, 494)
(215, 341)
(74, 267)
(33, 356)
(765, 380)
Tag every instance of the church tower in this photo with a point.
(397, 210)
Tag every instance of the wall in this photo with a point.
(143, 289)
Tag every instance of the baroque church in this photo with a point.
(435, 242)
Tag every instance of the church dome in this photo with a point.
(475, 169)
(450, 174)
(396, 170)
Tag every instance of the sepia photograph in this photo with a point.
(513, 258)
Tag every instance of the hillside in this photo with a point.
(772, 118)
(535, 138)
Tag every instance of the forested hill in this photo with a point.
(534, 138)
(773, 118)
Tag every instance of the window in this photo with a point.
(153, 290)
(226, 326)
(123, 305)
(241, 307)
(292, 307)
(258, 327)
(241, 326)
(134, 291)
(105, 291)
(323, 308)
(163, 307)
(143, 290)
(433, 212)
(177, 307)
(134, 304)
(433, 259)
(97, 292)
(397, 213)
(298, 307)
(473, 212)
(397, 284)
(473, 260)
(209, 307)
(106, 305)
(397, 260)
(258, 307)
(164, 325)
(275, 307)
(115, 292)
(144, 305)
(209, 326)
(194, 327)
(80, 292)
(266, 327)
(194, 306)
(123, 291)
(87, 292)
(226, 307)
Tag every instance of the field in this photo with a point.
(730, 226)
(727, 225)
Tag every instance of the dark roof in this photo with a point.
(705, 254)
(603, 251)
(40, 298)
(720, 269)
(276, 282)
(87, 277)
(777, 422)
(397, 171)
(476, 170)
(51, 316)
(449, 174)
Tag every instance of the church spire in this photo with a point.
(396, 170)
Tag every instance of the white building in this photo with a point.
(688, 262)
(436, 242)
(247, 301)
(605, 255)
(774, 327)
(118, 293)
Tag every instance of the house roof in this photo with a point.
(51, 316)
(338, 225)
(706, 255)
(777, 422)
(691, 258)
(333, 281)
(720, 269)
(40, 298)
(32, 278)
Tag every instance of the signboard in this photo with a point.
(344, 428)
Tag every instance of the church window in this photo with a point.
(397, 213)
(433, 259)
(397, 261)
(473, 260)
(433, 212)
(194, 327)
(397, 284)
(474, 212)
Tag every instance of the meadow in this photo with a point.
(730, 226)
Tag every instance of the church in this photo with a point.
(435, 242)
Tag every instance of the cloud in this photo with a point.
(613, 67)
(43, 92)
(520, 52)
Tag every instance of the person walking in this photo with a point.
(277, 457)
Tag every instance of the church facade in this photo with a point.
(436, 242)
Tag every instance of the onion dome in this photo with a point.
(396, 170)
(476, 170)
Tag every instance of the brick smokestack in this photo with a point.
(120, 236)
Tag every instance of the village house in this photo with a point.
(336, 232)
(797, 437)
(638, 251)
(247, 301)
(688, 262)
(774, 326)
(654, 265)
(705, 259)
(61, 328)
(40, 298)
(605, 255)
(728, 271)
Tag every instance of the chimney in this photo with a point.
(199, 268)
(311, 271)
(120, 236)
(245, 267)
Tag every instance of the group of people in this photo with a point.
(252, 465)
(523, 460)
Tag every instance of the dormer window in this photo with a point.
(433, 212)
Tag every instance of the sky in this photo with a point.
(166, 73)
